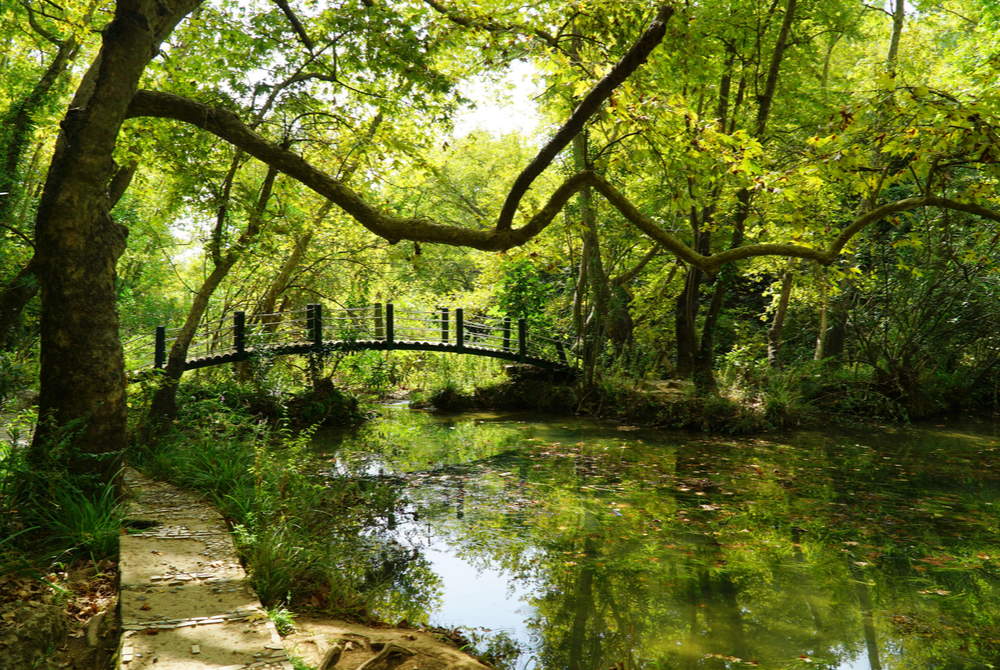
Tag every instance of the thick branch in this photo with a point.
(296, 24)
(627, 276)
(229, 127)
(635, 57)
(120, 182)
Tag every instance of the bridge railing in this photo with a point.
(349, 324)
(381, 325)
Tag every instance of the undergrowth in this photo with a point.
(309, 541)
(50, 514)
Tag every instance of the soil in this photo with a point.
(63, 620)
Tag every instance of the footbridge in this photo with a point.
(315, 329)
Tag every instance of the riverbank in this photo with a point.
(803, 398)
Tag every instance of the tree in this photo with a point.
(74, 231)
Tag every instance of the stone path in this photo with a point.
(185, 600)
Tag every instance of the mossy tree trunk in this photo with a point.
(77, 245)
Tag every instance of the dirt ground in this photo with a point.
(62, 620)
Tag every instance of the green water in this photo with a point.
(589, 546)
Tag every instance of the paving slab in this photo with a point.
(185, 600)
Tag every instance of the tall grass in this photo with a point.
(48, 512)
(304, 538)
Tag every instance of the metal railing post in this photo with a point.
(390, 325)
(460, 327)
(240, 332)
(314, 324)
(522, 338)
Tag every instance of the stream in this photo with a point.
(568, 543)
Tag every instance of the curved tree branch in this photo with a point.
(229, 127)
(635, 57)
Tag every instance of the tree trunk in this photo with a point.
(685, 314)
(280, 281)
(164, 404)
(82, 373)
(579, 294)
(824, 321)
(774, 332)
(898, 17)
(834, 334)
(19, 291)
(13, 299)
(594, 326)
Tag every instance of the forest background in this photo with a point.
(790, 204)
(786, 208)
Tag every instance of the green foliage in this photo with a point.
(524, 291)
(49, 512)
(284, 620)
(495, 648)
(14, 377)
(80, 520)
(299, 664)
(298, 533)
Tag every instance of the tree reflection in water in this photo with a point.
(645, 550)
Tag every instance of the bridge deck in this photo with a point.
(379, 327)
(305, 347)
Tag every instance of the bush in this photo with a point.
(301, 536)
(51, 511)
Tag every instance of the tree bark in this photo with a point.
(19, 291)
(774, 332)
(685, 316)
(597, 279)
(834, 336)
(82, 399)
(163, 406)
(898, 17)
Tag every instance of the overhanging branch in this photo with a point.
(229, 127)
(629, 63)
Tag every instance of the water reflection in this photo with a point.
(601, 548)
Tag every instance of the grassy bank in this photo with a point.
(747, 400)
(58, 552)
(309, 541)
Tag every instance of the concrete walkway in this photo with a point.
(185, 601)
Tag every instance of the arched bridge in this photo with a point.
(316, 330)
